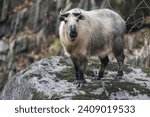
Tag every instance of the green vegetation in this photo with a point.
(114, 67)
(116, 86)
(38, 75)
(54, 47)
(56, 97)
(89, 95)
(66, 74)
(139, 79)
(37, 95)
(147, 71)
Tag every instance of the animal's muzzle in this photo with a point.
(73, 33)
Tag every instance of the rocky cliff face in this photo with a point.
(52, 78)
(16, 16)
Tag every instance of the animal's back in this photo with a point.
(105, 24)
(106, 19)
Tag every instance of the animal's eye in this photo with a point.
(77, 20)
(65, 21)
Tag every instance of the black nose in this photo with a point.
(73, 32)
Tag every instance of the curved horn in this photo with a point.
(63, 14)
(78, 13)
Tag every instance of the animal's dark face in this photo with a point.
(71, 20)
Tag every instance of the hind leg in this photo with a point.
(118, 46)
(120, 60)
(104, 62)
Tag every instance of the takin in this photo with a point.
(92, 33)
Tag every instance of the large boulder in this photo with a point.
(52, 78)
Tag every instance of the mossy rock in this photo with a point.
(116, 86)
(90, 96)
(56, 97)
(37, 95)
(114, 67)
(139, 79)
(89, 89)
(147, 71)
(53, 80)
(66, 74)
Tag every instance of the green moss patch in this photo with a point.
(90, 72)
(139, 79)
(89, 93)
(114, 67)
(66, 61)
(56, 97)
(66, 74)
(37, 95)
(116, 86)
(147, 71)
(94, 63)
(91, 97)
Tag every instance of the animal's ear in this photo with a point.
(81, 17)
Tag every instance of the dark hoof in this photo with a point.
(99, 77)
(75, 82)
(80, 83)
(118, 77)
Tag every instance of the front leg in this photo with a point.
(79, 66)
(76, 68)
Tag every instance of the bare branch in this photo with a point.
(140, 21)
